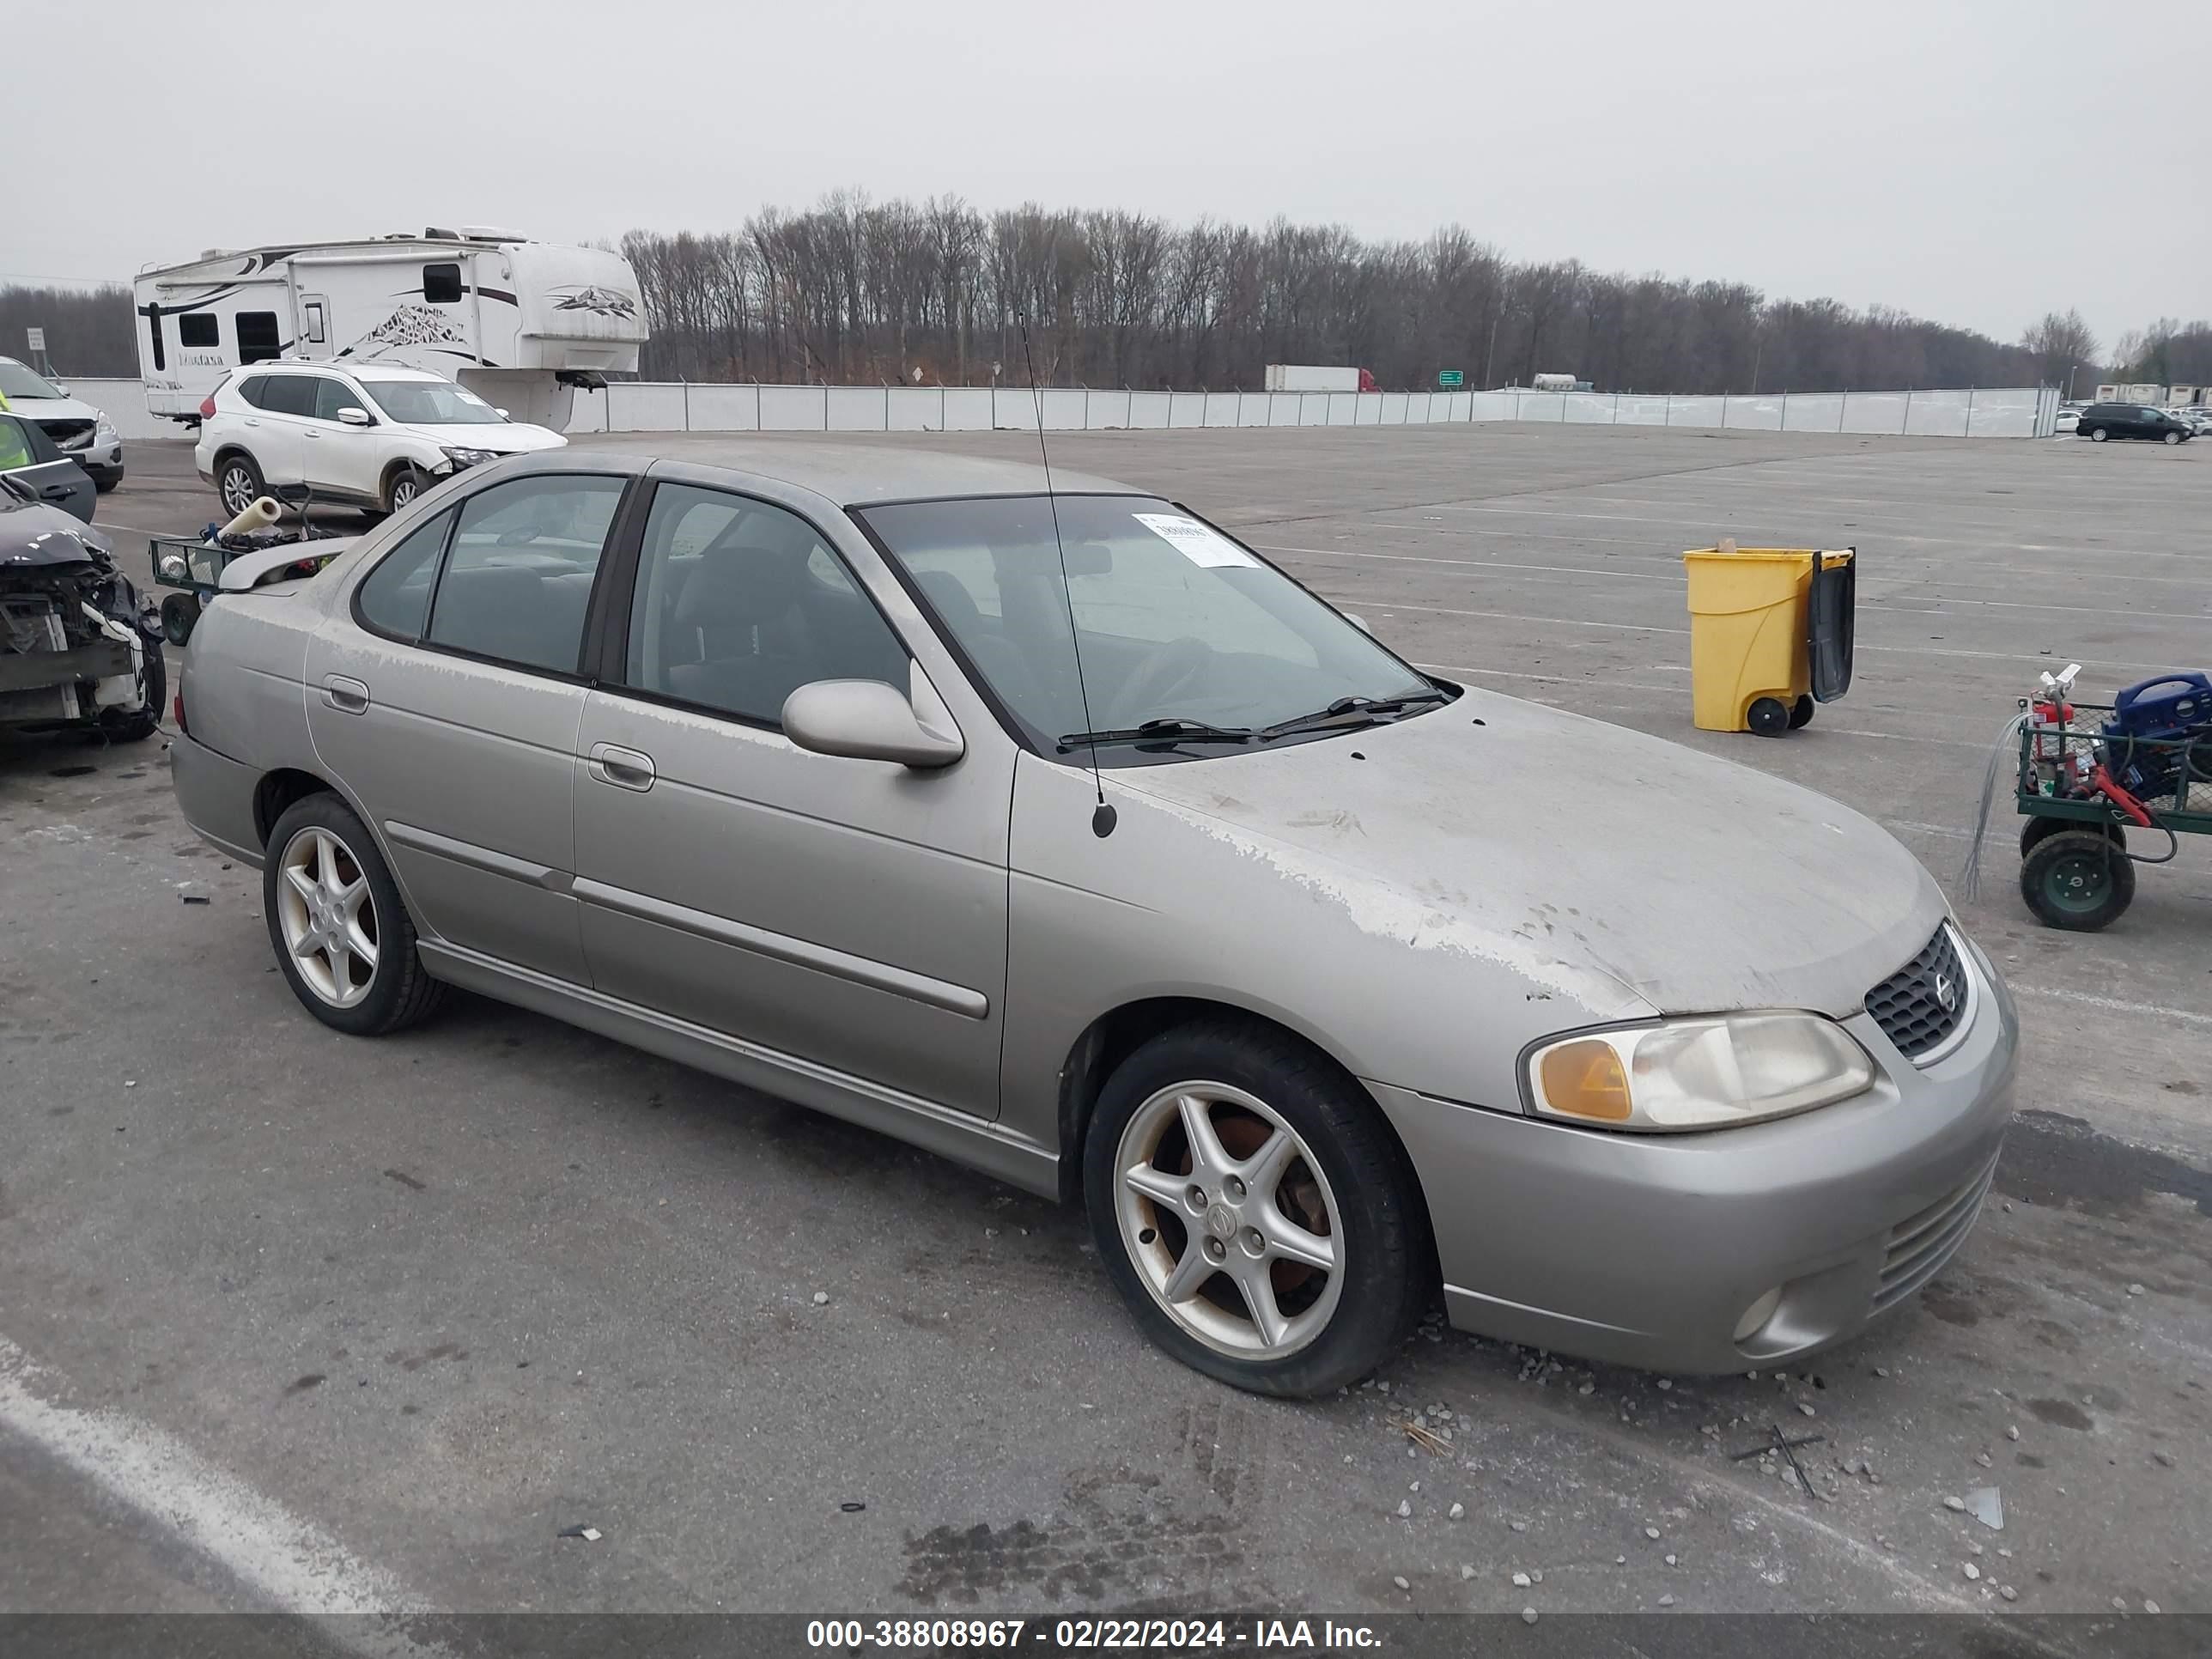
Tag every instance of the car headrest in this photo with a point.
(742, 584)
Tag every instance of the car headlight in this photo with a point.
(461, 458)
(103, 430)
(1702, 1073)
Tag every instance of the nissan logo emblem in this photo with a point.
(1947, 993)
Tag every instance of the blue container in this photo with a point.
(2182, 703)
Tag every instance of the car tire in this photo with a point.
(2097, 435)
(405, 484)
(137, 724)
(239, 482)
(2173, 437)
(1768, 716)
(1340, 1167)
(320, 839)
(106, 486)
(2077, 880)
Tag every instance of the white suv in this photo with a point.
(367, 435)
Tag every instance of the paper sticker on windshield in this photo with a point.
(1198, 543)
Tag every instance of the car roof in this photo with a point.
(359, 371)
(854, 474)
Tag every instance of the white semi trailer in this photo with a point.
(521, 324)
(1312, 376)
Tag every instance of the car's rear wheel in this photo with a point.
(401, 488)
(1254, 1211)
(2097, 435)
(238, 481)
(341, 932)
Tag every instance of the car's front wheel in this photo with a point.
(237, 481)
(1254, 1211)
(406, 483)
(2173, 437)
(341, 932)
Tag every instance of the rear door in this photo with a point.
(447, 698)
(274, 430)
(29, 455)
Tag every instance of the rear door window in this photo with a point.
(518, 581)
(289, 394)
(395, 598)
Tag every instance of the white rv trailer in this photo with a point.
(521, 324)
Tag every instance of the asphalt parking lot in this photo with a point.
(389, 1316)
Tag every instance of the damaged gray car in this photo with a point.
(79, 650)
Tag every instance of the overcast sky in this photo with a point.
(1975, 163)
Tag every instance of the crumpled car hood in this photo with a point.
(1698, 884)
(33, 534)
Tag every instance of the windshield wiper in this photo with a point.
(1352, 711)
(1171, 728)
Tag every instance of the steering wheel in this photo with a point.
(1170, 668)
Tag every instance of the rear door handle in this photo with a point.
(347, 696)
(58, 492)
(625, 769)
(249, 421)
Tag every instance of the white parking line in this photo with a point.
(290, 1562)
(2112, 1004)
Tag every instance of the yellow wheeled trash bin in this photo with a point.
(1770, 633)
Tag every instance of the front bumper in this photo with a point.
(103, 461)
(1647, 1250)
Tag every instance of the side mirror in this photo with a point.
(1359, 623)
(350, 416)
(501, 413)
(867, 720)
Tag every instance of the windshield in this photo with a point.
(1174, 621)
(430, 402)
(17, 381)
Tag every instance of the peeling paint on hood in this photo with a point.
(1565, 848)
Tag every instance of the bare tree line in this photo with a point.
(856, 292)
(859, 292)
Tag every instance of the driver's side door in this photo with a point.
(849, 914)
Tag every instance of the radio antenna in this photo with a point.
(1102, 818)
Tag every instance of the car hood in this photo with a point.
(53, 409)
(508, 438)
(1697, 883)
(33, 534)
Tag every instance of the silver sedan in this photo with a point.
(1061, 834)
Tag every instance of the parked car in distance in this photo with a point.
(29, 456)
(1207, 913)
(79, 648)
(2101, 421)
(80, 432)
(2199, 415)
(368, 435)
(2069, 414)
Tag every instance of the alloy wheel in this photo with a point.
(328, 916)
(238, 492)
(1229, 1220)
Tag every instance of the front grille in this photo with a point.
(1918, 1246)
(69, 435)
(1910, 1005)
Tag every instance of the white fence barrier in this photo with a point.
(671, 406)
(643, 406)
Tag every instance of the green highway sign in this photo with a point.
(1450, 377)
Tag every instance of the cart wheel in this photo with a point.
(1769, 717)
(179, 612)
(2038, 830)
(1801, 712)
(2076, 879)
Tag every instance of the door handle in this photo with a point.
(347, 696)
(56, 492)
(625, 769)
(249, 421)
